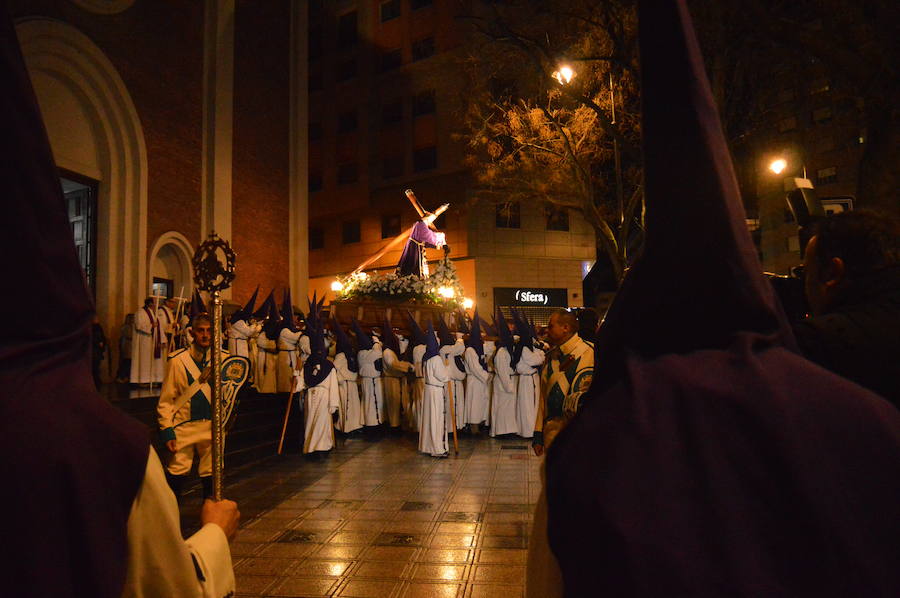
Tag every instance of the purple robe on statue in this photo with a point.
(412, 260)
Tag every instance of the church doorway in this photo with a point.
(81, 201)
(171, 271)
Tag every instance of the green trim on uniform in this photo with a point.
(167, 434)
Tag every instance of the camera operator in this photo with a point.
(852, 284)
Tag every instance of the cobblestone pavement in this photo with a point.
(380, 519)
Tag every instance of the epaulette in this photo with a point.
(178, 352)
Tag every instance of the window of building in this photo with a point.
(347, 32)
(316, 238)
(819, 86)
(509, 215)
(425, 158)
(390, 60)
(392, 167)
(785, 95)
(417, 4)
(315, 79)
(347, 121)
(787, 124)
(81, 201)
(350, 232)
(315, 181)
(862, 136)
(390, 10)
(346, 69)
(423, 48)
(348, 173)
(423, 103)
(557, 218)
(316, 47)
(826, 176)
(390, 225)
(821, 115)
(392, 112)
(315, 131)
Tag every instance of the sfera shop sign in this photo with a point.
(536, 297)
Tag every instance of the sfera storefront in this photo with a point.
(537, 303)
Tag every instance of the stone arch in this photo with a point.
(95, 131)
(172, 253)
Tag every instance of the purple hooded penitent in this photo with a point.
(287, 311)
(444, 335)
(245, 312)
(388, 339)
(417, 336)
(431, 344)
(317, 366)
(264, 309)
(363, 340)
(71, 463)
(710, 459)
(343, 345)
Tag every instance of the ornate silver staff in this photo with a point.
(213, 276)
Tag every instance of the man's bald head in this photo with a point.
(562, 326)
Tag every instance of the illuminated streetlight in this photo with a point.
(777, 166)
(468, 303)
(564, 75)
(337, 286)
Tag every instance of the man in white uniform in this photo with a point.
(350, 417)
(147, 346)
(369, 356)
(394, 369)
(433, 416)
(183, 410)
(319, 387)
(241, 330)
(477, 376)
(528, 362)
(503, 401)
(452, 350)
(288, 337)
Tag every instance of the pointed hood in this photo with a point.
(388, 339)
(245, 312)
(462, 323)
(83, 489)
(474, 340)
(363, 340)
(490, 328)
(444, 335)
(273, 325)
(198, 306)
(431, 344)
(317, 366)
(698, 280)
(263, 311)
(343, 345)
(287, 311)
(506, 337)
(417, 336)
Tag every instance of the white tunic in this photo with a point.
(350, 414)
(370, 383)
(287, 359)
(319, 402)
(503, 401)
(145, 367)
(433, 416)
(394, 368)
(529, 390)
(476, 388)
(160, 562)
(239, 334)
(489, 349)
(456, 384)
(267, 364)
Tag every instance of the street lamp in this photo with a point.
(337, 286)
(778, 165)
(564, 75)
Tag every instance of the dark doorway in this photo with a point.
(81, 202)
